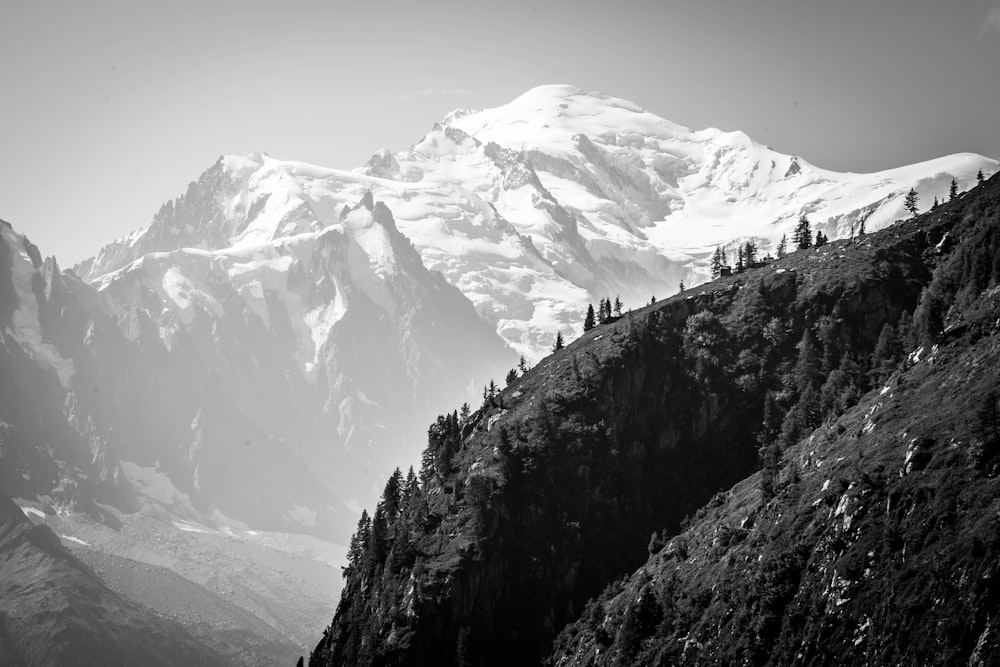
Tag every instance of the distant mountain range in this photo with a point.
(537, 207)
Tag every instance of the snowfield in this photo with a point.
(535, 208)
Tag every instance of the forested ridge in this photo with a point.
(583, 467)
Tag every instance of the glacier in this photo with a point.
(561, 197)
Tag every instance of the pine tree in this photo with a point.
(511, 376)
(809, 406)
(411, 485)
(739, 259)
(416, 505)
(559, 342)
(680, 288)
(861, 229)
(979, 176)
(829, 393)
(749, 254)
(467, 409)
(771, 422)
(392, 495)
(821, 239)
(718, 259)
(656, 543)
(928, 318)
(359, 542)
(490, 393)
(807, 370)
(802, 236)
(782, 246)
(904, 332)
(936, 202)
(652, 300)
(377, 550)
(886, 355)
(588, 320)
(603, 311)
(618, 307)
(910, 202)
(952, 190)
(522, 365)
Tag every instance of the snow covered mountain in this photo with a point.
(173, 420)
(535, 208)
(97, 439)
(329, 341)
(300, 313)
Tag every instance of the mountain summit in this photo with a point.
(561, 197)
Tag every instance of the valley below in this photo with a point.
(256, 598)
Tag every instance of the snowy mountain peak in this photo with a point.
(536, 207)
(549, 117)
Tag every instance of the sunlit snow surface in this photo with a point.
(535, 208)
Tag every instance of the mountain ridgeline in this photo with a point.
(542, 498)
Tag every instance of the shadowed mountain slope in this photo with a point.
(876, 539)
(534, 503)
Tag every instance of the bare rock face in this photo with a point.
(270, 384)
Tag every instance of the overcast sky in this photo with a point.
(109, 108)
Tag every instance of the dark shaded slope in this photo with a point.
(531, 505)
(881, 543)
(56, 611)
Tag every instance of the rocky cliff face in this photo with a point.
(533, 504)
(325, 346)
(90, 384)
(296, 325)
(132, 442)
(56, 435)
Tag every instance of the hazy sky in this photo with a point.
(110, 108)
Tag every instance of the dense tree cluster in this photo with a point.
(718, 261)
(606, 312)
(882, 513)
